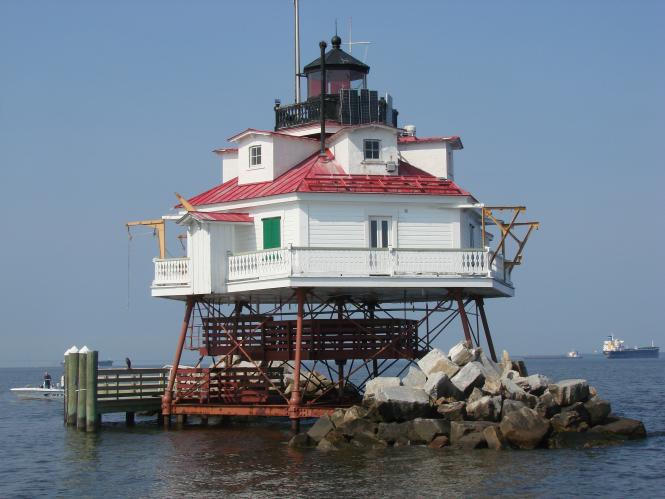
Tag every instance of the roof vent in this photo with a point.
(409, 131)
(391, 167)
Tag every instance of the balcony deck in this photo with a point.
(386, 271)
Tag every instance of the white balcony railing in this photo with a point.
(172, 272)
(355, 262)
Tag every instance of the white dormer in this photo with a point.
(262, 156)
(431, 154)
(229, 157)
(366, 149)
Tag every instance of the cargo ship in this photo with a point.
(614, 348)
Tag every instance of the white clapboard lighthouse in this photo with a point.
(336, 246)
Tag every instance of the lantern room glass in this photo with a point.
(336, 79)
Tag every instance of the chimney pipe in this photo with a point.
(322, 46)
(297, 48)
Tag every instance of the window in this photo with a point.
(372, 149)
(379, 232)
(254, 156)
(271, 233)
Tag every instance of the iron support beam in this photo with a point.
(463, 317)
(296, 397)
(168, 394)
(490, 344)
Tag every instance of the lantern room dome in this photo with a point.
(342, 71)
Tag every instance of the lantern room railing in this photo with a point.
(303, 113)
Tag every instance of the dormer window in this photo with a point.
(372, 149)
(255, 156)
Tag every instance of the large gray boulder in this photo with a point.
(374, 385)
(460, 429)
(398, 403)
(546, 406)
(461, 354)
(569, 391)
(524, 428)
(514, 392)
(623, 428)
(509, 406)
(415, 378)
(359, 427)
(537, 383)
(491, 369)
(351, 414)
(469, 377)
(494, 438)
(571, 418)
(454, 411)
(598, 410)
(436, 361)
(333, 441)
(492, 386)
(321, 428)
(439, 385)
(423, 431)
(476, 395)
(393, 432)
(485, 409)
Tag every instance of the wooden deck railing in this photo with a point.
(131, 384)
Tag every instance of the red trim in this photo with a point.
(225, 150)
(454, 140)
(268, 132)
(221, 217)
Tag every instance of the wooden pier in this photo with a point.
(91, 392)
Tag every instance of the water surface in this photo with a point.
(41, 457)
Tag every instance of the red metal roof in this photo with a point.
(221, 217)
(316, 174)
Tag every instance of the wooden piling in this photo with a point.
(82, 389)
(65, 376)
(91, 416)
(129, 418)
(72, 387)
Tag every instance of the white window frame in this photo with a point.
(378, 151)
(381, 223)
(253, 155)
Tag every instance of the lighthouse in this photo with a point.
(337, 246)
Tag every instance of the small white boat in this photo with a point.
(41, 392)
(574, 355)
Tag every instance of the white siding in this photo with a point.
(431, 157)
(250, 237)
(245, 239)
(426, 228)
(199, 253)
(288, 152)
(229, 166)
(221, 242)
(337, 225)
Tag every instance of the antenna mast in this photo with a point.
(297, 48)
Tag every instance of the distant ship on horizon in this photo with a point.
(614, 348)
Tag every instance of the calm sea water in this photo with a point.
(40, 457)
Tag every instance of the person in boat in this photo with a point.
(47, 380)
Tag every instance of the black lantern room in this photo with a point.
(343, 71)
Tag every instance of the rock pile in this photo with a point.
(465, 400)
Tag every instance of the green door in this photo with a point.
(271, 233)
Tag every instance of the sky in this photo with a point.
(108, 108)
